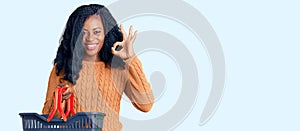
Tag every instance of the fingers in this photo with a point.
(67, 93)
(134, 36)
(130, 32)
(113, 49)
(66, 97)
(130, 37)
(123, 32)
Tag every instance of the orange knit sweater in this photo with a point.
(100, 88)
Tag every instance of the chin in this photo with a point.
(89, 53)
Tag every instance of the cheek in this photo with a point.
(101, 42)
(101, 39)
(83, 39)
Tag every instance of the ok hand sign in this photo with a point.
(126, 51)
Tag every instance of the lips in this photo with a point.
(91, 46)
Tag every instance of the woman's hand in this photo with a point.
(126, 52)
(67, 93)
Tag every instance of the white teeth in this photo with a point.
(91, 46)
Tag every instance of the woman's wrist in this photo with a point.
(129, 59)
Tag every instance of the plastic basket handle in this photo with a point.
(57, 105)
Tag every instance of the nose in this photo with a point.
(89, 38)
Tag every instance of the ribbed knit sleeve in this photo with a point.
(137, 88)
(53, 82)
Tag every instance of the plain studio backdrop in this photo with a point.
(260, 40)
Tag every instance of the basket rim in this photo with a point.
(44, 117)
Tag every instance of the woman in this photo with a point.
(97, 63)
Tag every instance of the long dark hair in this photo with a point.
(70, 51)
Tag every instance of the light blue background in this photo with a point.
(260, 40)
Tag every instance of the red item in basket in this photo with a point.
(57, 104)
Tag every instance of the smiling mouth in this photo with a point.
(91, 46)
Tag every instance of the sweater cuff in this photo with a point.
(140, 92)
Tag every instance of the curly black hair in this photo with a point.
(70, 51)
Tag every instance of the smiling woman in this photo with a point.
(93, 37)
(91, 65)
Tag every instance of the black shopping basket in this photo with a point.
(81, 121)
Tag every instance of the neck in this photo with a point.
(89, 58)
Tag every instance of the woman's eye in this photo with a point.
(97, 32)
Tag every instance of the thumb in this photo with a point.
(68, 91)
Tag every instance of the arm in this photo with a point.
(53, 82)
(137, 87)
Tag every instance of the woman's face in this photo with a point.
(93, 37)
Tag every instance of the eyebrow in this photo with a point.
(97, 28)
(94, 28)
